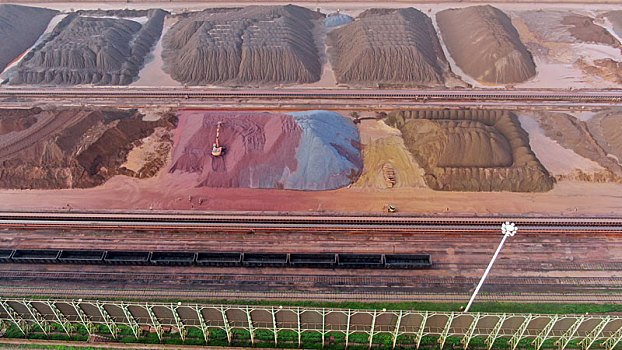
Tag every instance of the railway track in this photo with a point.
(292, 94)
(141, 221)
(207, 280)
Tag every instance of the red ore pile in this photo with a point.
(263, 150)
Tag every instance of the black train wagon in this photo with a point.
(407, 261)
(264, 259)
(315, 260)
(82, 256)
(5, 255)
(173, 258)
(360, 261)
(35, 256)
(123, 257)
(219, 258)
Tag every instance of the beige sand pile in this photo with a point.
(20, 27)
(485, 45)
(388, 46)
(472, 150)
(262, 44)
(90, 50)
(71, 147)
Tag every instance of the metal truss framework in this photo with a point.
(403, 327)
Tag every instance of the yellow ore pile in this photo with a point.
(472, 150)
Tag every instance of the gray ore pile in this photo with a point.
(90, 50)
(472, 150)
(267, 44)
(20, 27)
(388, 46)
(485, 44)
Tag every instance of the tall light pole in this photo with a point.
(508, 229)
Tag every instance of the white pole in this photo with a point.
(508, 229)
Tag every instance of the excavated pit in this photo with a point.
(485, 45)
(69, 148)
(471, 150)
(388, 46)
(91, 50)
(255, 44)
(20, 27)
(314, 150)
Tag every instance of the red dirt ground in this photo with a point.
(160, 193)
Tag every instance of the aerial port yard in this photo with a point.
(311, 175)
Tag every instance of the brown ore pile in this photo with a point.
(20, 27)
(68, 148)
(256, 44)
(91, 50)
(584, 29)
(485, 45)
(472, 150)
(388, 46)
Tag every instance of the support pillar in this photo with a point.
(181, 327)
(426, 315)
(130, 319)
(373, 328)
(543, 335)
(567, 336)
(396, 331)
(202, 324)
(84, 319)
(15, 317)
(445, 332)
(155, 322)
(469, 333)
(37, 317)
(226, 322)
(60, 317)
(494, 334)
(349, 313)
(518, 335)
(110, 322)
(251, 330)
(591, 337)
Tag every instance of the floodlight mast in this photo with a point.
(508, 229)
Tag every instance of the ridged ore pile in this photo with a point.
(89, 50)
(20, 27)
(485, 45)
(472, 150)
(388, 46)
(262, 44)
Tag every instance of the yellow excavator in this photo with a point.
(217, 149)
